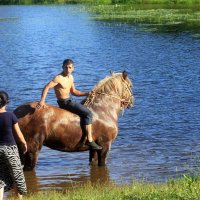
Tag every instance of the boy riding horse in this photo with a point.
(63, 85)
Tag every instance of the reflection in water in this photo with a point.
(65, 181)
(32, 181)
(61, 182)
(99, 174)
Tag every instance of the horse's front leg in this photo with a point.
(103, 154)
(99, 157)
(30, 160)
(93, 157)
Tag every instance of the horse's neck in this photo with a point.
(107, 97)
(107, 105)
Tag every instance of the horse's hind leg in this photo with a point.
(34, 146)
(30, 160)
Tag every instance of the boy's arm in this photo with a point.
(76, 92)
(49, 85)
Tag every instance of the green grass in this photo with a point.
(99, 2)
(27, 2)
(157, 1)
(156, 17)
(187, 188)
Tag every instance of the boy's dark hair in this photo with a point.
(4, 98)
(67, 62)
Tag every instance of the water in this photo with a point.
(158, 138)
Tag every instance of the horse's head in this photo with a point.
(117, 86)
(127, 99)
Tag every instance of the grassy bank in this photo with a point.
(28, 2)
(184, 189)
(156, 17)
(151, 15)
(98, 2)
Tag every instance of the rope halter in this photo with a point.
(125, 102)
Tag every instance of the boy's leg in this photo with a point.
(1, 193)
(19, 195)
(89, 132)
(91, 143)
(86, 119)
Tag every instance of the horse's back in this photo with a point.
(46, 119)
(55, 127)
(31, 118)
(30, 110)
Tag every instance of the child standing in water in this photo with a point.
(11, 171)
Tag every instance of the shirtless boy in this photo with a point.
(63, 85)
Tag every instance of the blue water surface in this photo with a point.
(158, 139)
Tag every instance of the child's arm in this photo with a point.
(20, 137)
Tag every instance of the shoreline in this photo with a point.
(185, 188)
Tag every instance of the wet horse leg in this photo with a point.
(30, 160)
(34, 147)
(102, 155)
(93, 157)
(99, 157)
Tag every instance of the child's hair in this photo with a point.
(67, 62)
(4, 98)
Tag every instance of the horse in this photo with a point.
(60, 130)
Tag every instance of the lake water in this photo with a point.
(158, 139)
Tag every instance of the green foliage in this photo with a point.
(155, 1)
(187, 188)
(151, 17)
(7, 2)
(2, 2)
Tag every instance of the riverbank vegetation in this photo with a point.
(187, 188)
(150, 15)
(99, 2)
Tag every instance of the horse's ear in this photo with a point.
(124, 74)
(111, 72)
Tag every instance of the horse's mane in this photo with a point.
(109, 85)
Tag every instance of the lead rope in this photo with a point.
(91, 97)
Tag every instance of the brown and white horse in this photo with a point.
(60, 130)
